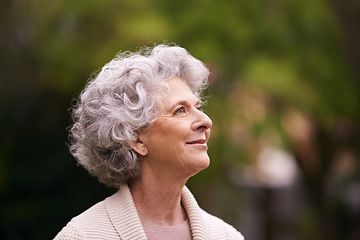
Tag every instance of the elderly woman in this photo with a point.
(139, 126)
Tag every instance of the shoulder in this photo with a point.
(108, 219)
(90, 224)
(70, 232)
(216, 223)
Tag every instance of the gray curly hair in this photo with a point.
(122, 101)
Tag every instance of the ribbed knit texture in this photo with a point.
(116, 218)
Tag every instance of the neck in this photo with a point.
(158, 200)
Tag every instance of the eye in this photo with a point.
(180, 110)
(200, 108)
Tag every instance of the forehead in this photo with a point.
(178, 91)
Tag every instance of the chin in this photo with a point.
(201, 165)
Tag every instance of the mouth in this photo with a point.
(198, 142)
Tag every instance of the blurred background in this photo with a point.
(285, 86)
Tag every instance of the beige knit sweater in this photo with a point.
(116, 218)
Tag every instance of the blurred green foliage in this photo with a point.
(280, 78)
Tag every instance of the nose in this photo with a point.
(202, 122)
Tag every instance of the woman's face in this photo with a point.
(176, 143)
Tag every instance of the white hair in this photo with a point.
(123, 100)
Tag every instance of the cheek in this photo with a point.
(169, 139)
(168, 134)
(175, 130)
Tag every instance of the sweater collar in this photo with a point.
(124, 216)
(198, 227)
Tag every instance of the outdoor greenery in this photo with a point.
(285, 76)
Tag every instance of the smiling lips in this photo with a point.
(198, 142)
